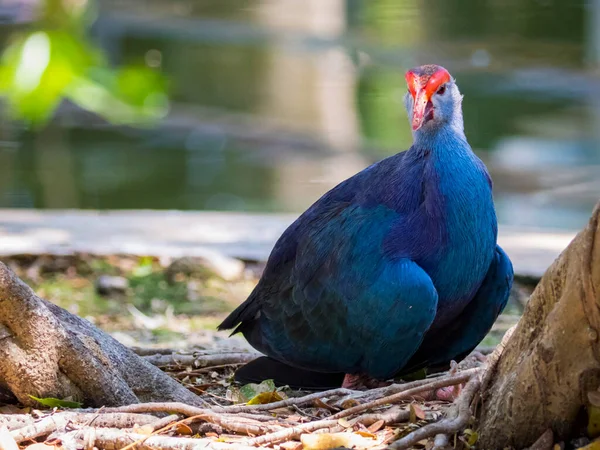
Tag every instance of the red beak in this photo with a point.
(423, 82)
(422, 109)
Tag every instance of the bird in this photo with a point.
(394, 270)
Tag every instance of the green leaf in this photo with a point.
(51, 402)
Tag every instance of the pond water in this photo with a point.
(276, 101)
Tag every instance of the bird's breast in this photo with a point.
(470, 231)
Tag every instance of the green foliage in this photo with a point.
(256, 394)
(56, 61)
(51, 402)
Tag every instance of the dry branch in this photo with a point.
(201, 359)
(446, 426)
(114, 439)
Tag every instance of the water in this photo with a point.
(274, 102)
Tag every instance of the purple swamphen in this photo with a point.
(393, 270)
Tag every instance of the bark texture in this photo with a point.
(46, 351)
(552, 359)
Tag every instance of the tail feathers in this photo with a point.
(243, 313)
(266, 368)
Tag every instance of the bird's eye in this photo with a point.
(441, 90)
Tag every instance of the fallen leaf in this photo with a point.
(350, 403)
(291, 445)
(419, 413)
(376, 426)
(366, 434)
(56, 403)
(264, 398)
(321, 404)
(594, 398)
(344, 422)
(11, 409)
(184, 430)
(325, 441)
(251, 390)
(592, 446)
(212, 434)
(144, 429)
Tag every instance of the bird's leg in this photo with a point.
(362, 382)
(450, 393)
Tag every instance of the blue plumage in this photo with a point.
(393, 269)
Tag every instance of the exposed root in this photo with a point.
(146, 425)
(446, 426)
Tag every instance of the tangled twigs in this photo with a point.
(462, 416)
(291, 433)
(445, 426)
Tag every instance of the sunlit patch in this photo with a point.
(34, 62)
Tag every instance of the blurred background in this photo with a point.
(263, 105)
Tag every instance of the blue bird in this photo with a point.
(393, 270)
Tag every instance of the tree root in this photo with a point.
(47, 352)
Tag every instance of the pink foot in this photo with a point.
(362, 382)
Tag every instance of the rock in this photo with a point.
(110, 285)
(204, 267)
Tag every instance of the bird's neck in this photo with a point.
(442, 139)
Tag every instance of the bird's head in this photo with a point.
(433, 99)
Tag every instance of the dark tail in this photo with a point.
(266, 368)
(246, 312)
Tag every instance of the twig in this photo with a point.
(494, 358)
(437, 383)
(291, 433)
(55, 421)
(201, 360)
(446, 426)
(7, 442)
(373, 394)
(297, 401)
(544, 442)
(112, 439)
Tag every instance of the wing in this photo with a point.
(338, 303)
(457, 340)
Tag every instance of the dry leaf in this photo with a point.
(366, 434)
(376, 426)
(344, 422)
(11, 409)
(212, 434)
(265, 397)
(321, 404)
(594, 398)
(592, 446)
(291, 445)
(325, 441)
(145, 429)
(350, 403)
(183, 429)
(416, 412)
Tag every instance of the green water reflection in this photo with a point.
(274, 102)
